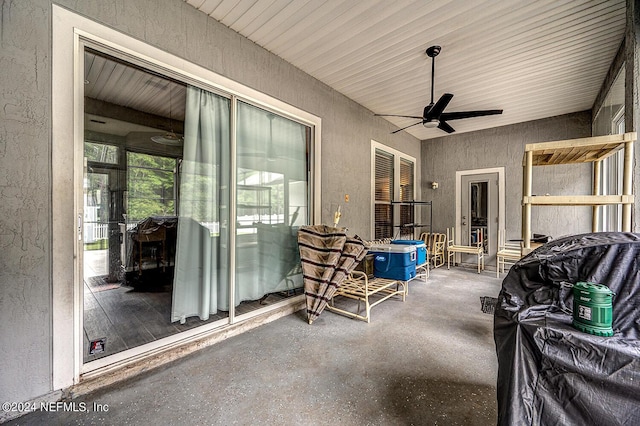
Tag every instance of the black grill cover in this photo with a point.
(549, 373)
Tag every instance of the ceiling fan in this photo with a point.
(169, 138)
(433, 114)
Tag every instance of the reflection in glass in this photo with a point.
(150, 186)
(101, 153)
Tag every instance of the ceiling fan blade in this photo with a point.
(437, 109)
(445, 126)
(469, 114)
(394, 115)
(406, 127)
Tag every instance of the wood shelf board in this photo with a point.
(578, 200)
(411, 203)
(574, 151)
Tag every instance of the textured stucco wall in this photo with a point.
(25, 150)
(25, 125)
(504, 147)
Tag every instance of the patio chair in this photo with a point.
(508, 253)
(476, 249)
(436, 243)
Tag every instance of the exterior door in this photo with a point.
(479, 214)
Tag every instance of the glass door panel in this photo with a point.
(272, 203)
(149, 175)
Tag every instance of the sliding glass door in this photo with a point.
(182, 208)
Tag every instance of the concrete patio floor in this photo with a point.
(428, 361)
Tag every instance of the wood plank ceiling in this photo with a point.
(534, 59)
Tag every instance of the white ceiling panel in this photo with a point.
(534, 59)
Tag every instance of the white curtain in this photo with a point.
(201, 283)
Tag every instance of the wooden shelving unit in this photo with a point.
(575, 151)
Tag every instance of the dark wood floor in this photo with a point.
(132, 316)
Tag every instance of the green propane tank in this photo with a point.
(592, 308)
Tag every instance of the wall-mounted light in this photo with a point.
(434, 185)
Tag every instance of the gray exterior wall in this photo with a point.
(25, 150)
(504, 147)
(25, 198)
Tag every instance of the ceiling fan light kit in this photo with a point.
(169, 138)
(433, 114)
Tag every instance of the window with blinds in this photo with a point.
(383, 215)
(406, 194)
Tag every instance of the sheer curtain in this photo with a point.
(201, 282)
(272, 202)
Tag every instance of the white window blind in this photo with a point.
(383, 215)
(406, 193)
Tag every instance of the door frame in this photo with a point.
(501, 198)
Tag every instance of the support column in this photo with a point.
(595, 219)
(526, 202)
(627, 185)
(632, 102)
